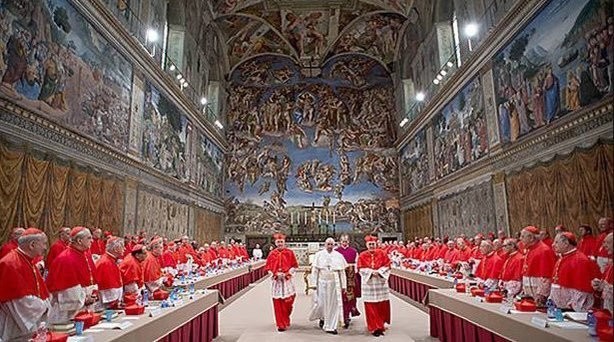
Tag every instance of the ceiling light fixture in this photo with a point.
(152, 35)
(471, 30)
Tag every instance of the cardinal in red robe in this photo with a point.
(374, 268)
(572, 276)
(152, 270)
(511, 271)
(24, 299)
(606, 226)
(489, 268)
(168, 256)
(12, 243)
(71, 280)
(537, 265)
(98, 245)
(588, 243)
(132, 271)
(451, 255)
(108, 275)
(605, 285)
(281, 265)
(59, 246)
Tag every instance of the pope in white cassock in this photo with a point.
(328, 273)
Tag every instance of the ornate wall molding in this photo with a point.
(29, 127)
(101, 18)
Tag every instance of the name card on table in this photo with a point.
(155, 312)
(505, 308)
(178, 302)
(539, 321)
(116, 325)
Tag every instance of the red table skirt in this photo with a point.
(203, 327)
(449, 327)
(257, 274)
(414, 290)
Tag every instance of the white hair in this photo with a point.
(80, 235)
(330, 239)
(113, 244)
(24, 240)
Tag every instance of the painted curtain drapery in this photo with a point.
(418, 221)
(208, 226)
(41, 192)
(569, 190)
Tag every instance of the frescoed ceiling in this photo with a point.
(311, 32)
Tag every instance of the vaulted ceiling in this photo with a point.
(311, 32)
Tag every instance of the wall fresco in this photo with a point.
(460, 134)
(165, 135)
(54, 62)
(311, 154)
(561, 61)
(414, 164)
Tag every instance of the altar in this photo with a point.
(303, 251)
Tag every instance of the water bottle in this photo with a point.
(550, 308)
(145, 297)
(192, 287)
(592, 323)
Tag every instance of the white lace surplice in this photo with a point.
(282, 287)
(19, 318)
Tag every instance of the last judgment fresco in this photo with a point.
(311, 155)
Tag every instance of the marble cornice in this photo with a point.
(29, 127)
(496, 38)
(100, 17)
(580, 129)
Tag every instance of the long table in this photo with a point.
(416, 285)
(195, 320)
(458, 317)
(231, 282)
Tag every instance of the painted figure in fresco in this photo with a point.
(52, 90)
(588, 91)
(29, 85)
(552, 94)
(538, 101)
(16, 57)
(295, 30)
(572, 92)
(522, 113)
(315, 40)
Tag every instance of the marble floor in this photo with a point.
(249, 318)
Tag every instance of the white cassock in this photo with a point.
(328, 273)
(257, 253)
(19, 318)
(67, 303)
